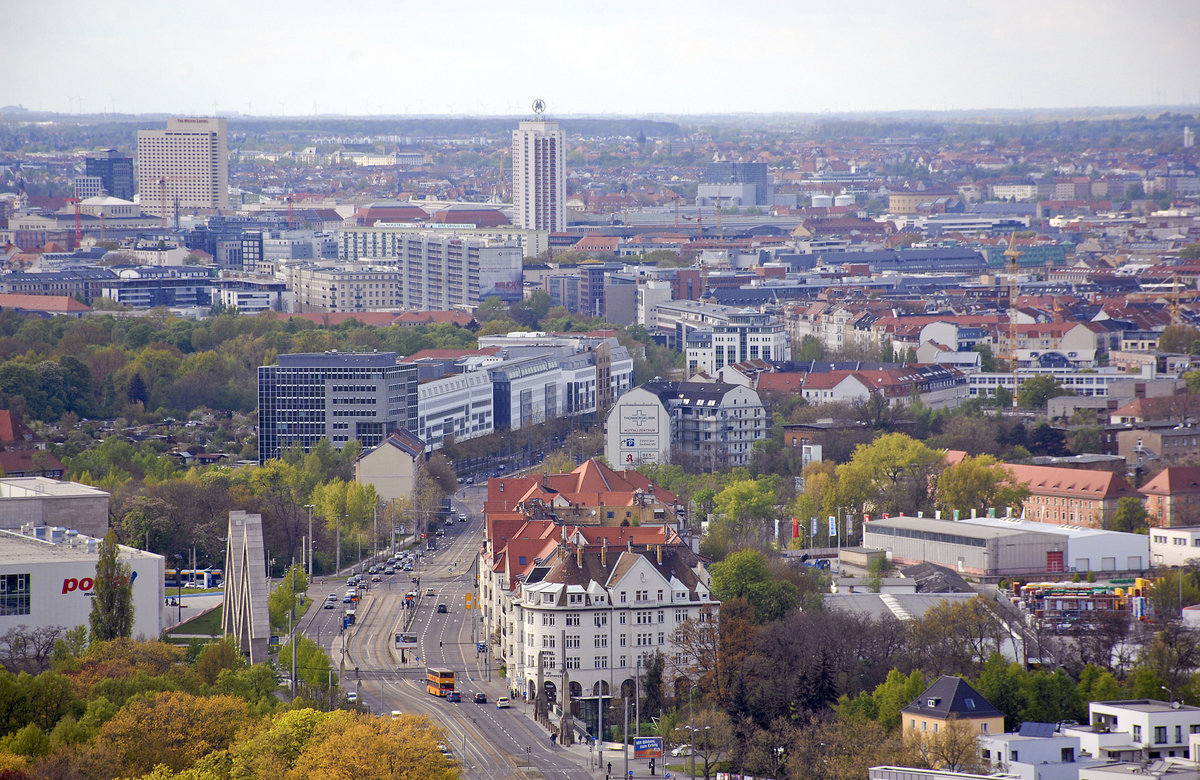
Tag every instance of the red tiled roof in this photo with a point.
(11, 428)
(1173, 480)
(17, 462)
(55, 304)
(451, 354)
(1075, 483)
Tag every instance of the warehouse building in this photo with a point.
(977, 550)
(1088, 549)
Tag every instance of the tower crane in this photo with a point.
(1014, 290)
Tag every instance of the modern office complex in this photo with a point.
(340, 396)
(748, 335)
(114, 171)
(185, 167)
(539, 176)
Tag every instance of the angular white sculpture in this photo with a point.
(245, 615)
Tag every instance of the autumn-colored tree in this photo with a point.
(893, 474)
(841, 750)
(709, 733)
(172, 728)
(355, 745)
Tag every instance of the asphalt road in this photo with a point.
(487, 742)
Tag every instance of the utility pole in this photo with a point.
(625, 743)
(309, 507)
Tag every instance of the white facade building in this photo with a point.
(638, 430)
(1174, 546)
(1087, 549)
(591, 609)
(1145, 729)
(187, 165)
(458, 406)
(539, 176)
(48, 580)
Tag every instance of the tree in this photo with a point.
(112, 604)
(744, 574)
(1179, 338)
(896, 693)
(811, 348)
(1129, 516)
(953, 748)
(975, 434)
(892, 474)
(172, 728)
(1088, 439)
(987, 360)
(1037, 390)
(284, 600)
(979, 483)
(711, 739)
(356, 745)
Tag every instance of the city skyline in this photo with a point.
(622, 59)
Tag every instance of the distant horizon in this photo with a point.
(9, 112)
(622, 58)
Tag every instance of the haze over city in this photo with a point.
(612, 58)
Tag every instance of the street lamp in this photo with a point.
(179, 587)
(1170, 695)
(310, 507)
(337, 572)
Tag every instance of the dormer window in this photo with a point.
(970, 703)
(932, 702)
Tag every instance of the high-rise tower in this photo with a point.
(539, 174)
(185, 166)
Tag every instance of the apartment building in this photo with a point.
(339, 396)
(1138, 729)
(146, 287)
(383, 238)
(710, 424)
(440, 271)
(950, 698)
(539, 176)
(185, 167)
(579, 611)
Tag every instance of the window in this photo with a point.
(601, 641)
(572, 618)
(622, 619)
(1160, 735)
(600, 662)
(680, 615)
(1137, 733)
(1067, 755)
(662, 638)
(572, 662)
(662, 616)
(1179, 734)
(622, 640)
(547, 642)
(14, 594)
(572, 641)
(622, 597)
(600, 620)
(983, 727)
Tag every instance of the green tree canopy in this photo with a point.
(112, 603)
(1038, 390)
(979, 483)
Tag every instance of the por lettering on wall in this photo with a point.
(86, 584)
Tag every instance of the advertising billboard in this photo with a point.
(406, 641)
(647, 747)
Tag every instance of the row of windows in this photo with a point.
(14, 595)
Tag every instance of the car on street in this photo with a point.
(389, 571)
(442, 609)
(331, 604)
(502, 703)
(682, 750)
(453, 696)
(462, 518)
(347, 599)
(376, 578)
(481, 698)
(352, 697)
(430, 592)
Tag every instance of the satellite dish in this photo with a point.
(539, 106)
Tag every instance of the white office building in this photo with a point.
(747, 335)
(457, 406)
(539, 176)
(185, 167)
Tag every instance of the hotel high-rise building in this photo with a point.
(184, 167)
(539, 176)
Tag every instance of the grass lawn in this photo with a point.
(208, 624)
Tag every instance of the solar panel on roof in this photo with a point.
(1032, 729)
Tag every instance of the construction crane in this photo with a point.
(1014, 290)
(162, 194)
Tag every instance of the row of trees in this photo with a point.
(167, 366)
(149, 709)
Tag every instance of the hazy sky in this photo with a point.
(617, 56)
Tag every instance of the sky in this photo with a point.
(619, 57)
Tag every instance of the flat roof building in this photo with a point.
(968, 549)
(47, 579)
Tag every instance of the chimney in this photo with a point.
(659, 547)
(604, 553)
(629, 543)
(579, 555)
